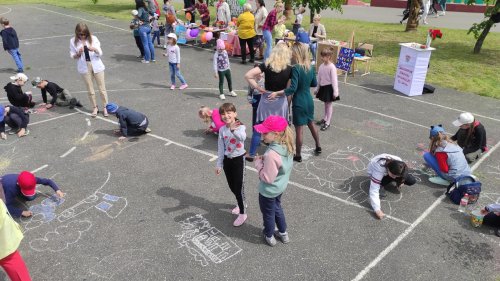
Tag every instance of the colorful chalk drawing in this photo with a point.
(337, 171)
(378, 124)
(111, 205)
(63, 236)
(44, 212)
(131, 264)
(204, 242)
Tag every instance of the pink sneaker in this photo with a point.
(172, 87)
(236, 210)
(183, 86)
(240, 220)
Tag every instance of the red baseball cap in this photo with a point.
(27, 183)
(272, 123)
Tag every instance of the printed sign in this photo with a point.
(412, 70)
(344, 60)
(180, 31)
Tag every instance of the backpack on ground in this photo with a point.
(462, 185)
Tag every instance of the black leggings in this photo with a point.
(390, 183)
(234, 168)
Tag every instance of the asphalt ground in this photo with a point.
(151, 208)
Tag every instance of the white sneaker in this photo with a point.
(233, 94)
(313, 63)
(144, 61)
(271, 241)
(222, 97)
(164, 47)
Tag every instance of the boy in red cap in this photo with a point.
(24, 185)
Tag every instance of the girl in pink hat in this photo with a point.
(274, 169)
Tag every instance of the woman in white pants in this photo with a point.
(86, 49)
(427, 6)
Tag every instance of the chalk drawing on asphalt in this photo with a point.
(60, 238)
(204, 242)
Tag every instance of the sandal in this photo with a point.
(105, 113)
(94, 114)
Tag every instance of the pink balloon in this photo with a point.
(188, 34)
(209, 36)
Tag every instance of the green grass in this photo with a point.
(452, 65)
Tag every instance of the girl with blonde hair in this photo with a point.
(277, 71)
(274, 169)
(302, 79)
(445, 157)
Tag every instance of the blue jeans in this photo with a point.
(268, 38)
(313, 46)
(175, 72)
(147, 43)
(272, 214)
(432, 162)
(255, 142)
(17, 58)
(156, 35)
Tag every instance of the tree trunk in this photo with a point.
(311, 15)
(480, 40)
(288, 9)
(412, 23)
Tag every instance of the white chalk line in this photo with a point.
(424, 215)
(58, 36)
(39, 169)
(84, 136)
(51, 119)
(80, 18)
(68, 152)
(159, 88)
(422, 101)
(214, 157)
(8, 11)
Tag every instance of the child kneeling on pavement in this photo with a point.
(60, 96)
(132, 123)
(17, 120)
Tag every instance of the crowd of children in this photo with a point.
(282, 82)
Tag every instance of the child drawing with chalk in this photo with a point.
(386, 171)
(132, 123)
(274, 168)
(327, 90)
(445, 157)
(212, 118)
(23, 185)
(231, 153)
(16, 118)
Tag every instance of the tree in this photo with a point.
(315, 6)
(412, 23)
(481, 30)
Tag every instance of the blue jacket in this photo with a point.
(12, 190)
(129, 118)
(9, 39)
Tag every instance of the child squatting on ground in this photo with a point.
(471, 136)
(445, 157)
(386, 172)
(274, 169)
(15, 92)
(327, 90)
(23, 185)
(222, 68)
(17, 120)
(60, 96)
(231, 153)
(212, 118)
(132, 123)
(174, 61)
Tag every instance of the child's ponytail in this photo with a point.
(287, 139)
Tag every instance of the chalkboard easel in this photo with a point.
(344, 60)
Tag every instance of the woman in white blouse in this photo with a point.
(86, 49)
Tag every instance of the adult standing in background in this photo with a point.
(86, 49)
(189, 6)
(223, 12)
(153, 7)
(267, 29)
(318, 31)
(145, 32)
(277, 71)
(246, 33)
(302, 79)
(260, 19)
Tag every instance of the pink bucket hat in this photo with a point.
(272, 123)
(220, 44)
